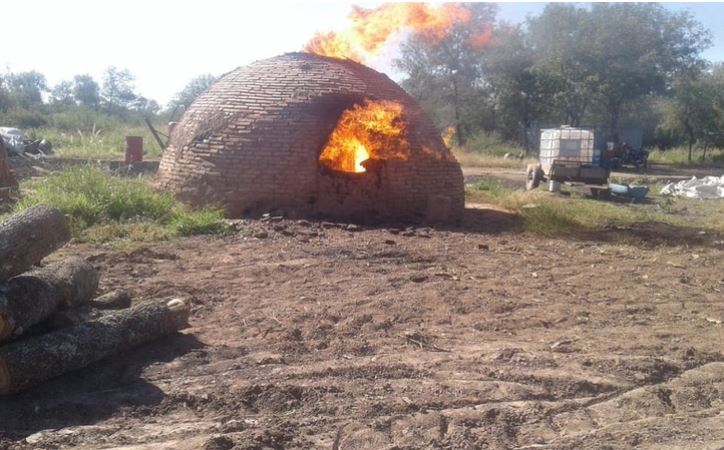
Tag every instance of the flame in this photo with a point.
(360, 155)
(371, 28)
(371, 130)
(448, 135)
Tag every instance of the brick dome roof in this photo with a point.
(251, 143)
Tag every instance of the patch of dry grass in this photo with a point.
(467, 159)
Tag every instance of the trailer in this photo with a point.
(567, 155)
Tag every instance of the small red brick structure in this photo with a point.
(251, 143)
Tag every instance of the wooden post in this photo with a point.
(155, 134)
(31, 361)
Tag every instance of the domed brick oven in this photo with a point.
(312, 136)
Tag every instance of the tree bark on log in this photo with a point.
(31, 361)
(30, 298)
(28, 237)
(118, 299)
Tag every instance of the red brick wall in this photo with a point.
(251, 143)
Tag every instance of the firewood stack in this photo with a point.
(50, 321)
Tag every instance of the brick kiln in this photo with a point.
(315, 136)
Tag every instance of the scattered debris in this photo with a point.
(632, 192)
(18, 143)
(423, 342)
(706, 188)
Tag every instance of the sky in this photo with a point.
(166, 43)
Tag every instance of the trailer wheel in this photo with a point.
(533, 176)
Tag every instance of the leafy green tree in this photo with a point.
(561, 42)
(695, 108)
(118, 90)
(62, 94)
(447, 73)
(610, 56)
(86, 91)
(25, 89)
(522, 92)
(638, 49)
(4, 96)
(193, 89)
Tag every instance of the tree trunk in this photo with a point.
(456, 105)
(690, 135)
(30, 298)
(29, 362)
(615, 113)
(28, 237)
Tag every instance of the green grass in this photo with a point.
(96, 142)
(552, 215)
(488, 188)
(679, 157)
(102, 208)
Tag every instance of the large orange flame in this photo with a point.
(372, 130)
(371, 28)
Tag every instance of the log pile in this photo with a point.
(51, 321)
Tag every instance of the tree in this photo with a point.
(62, 94)
(4, 95)
(118, 88)
(639, 47)
(447, 72)
(694, 109)
(193, 89)
(144, 105)
(613, 55)
(522, 92)
(86, 91)
(25, 89)
(560, 41)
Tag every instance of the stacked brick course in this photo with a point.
(251, 144)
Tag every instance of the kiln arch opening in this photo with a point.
(369, 131)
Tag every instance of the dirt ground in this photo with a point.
(320, 335)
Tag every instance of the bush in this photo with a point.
(81, 118)
(491, 143)
(680, 155)
(206, 221)
(117, 208)
(23, 119)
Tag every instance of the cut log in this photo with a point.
(28, 237)
(118, 299)
(30, 298)
(31, 361)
